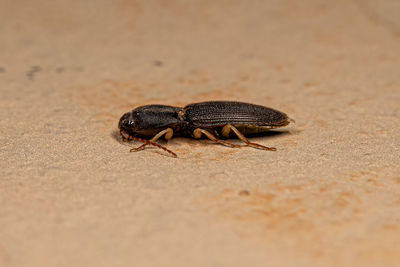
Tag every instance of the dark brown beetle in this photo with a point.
(212, 119)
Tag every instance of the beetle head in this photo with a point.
(127, 123)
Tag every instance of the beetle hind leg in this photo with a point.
(228, 128)
(197, 133)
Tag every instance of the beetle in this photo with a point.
(213, 119)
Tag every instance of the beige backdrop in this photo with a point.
(72, 195)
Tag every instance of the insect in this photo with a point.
(213, 119)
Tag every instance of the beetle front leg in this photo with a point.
(149, 142)
(168, 135)
(227, 129)
(197, 133)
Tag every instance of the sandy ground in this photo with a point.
(72, 195)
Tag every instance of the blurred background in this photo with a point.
(71, 194)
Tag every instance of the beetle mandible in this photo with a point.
(212, 119)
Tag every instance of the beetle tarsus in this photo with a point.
(258, 146)
(135, 149)
(156, 145)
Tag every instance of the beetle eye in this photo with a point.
(128, 124)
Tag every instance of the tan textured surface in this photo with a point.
(72, 195)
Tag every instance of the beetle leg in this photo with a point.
(168, 135)
(227, 129)
(198, 132)
(148, 142)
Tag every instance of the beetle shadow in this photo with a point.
(117, 136)
(271, 133)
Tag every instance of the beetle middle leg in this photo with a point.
(228, 128)
(198, 132)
